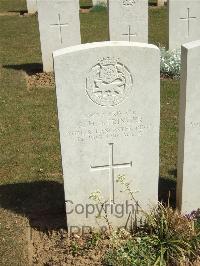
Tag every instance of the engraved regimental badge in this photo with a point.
(109, 82)
(128, 2)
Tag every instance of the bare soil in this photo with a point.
(40, 80)
(58, 248)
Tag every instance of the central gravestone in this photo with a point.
(108, 110)
(128, 20)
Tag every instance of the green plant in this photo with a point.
(167, 238)
(93, 240)
(170, 63)
(99, 8)
(133, 251)
(97, 197)
(176, 236)
(75, 248)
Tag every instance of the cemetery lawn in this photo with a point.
(31, 191)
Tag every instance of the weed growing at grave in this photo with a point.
(170, 63)
(195, 216)
(98, 198)
(165, 238)
(83, 245)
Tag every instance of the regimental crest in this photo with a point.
(128, 2)
(109, 82)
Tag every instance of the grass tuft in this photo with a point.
(167, 238)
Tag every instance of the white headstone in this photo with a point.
(99, 2)
(184, 22)
(108, 97)
(188, 188)
(59, 27)
(31, 6)
(128, 20)
(161, 2)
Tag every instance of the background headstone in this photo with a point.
(184, 22)
(31, 6)
(109, 113)
(188, 183)
(128, 20)
(59, 26)
(161, 2)
(99, 2)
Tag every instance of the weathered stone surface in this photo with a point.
(161, 2)
(108, 97)
(184, 22)
(128, 20)
(59, 27)
(31, 6)
(188, 183)
(99, 2)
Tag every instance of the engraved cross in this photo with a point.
(188, 18)
(129, 34)
(111, 167)
(60, 25)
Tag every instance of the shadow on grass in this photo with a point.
(21, 12)
(86, 7)
(41, 202)
(152, 4)
(167, 191)
(30, 69)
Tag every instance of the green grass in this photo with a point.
(94, 26)
(158, 26)
(20, 5)
(85, 3)
(12, 5)
(30, 165)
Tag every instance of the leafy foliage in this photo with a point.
(170, 63)
(167, 238)
(99, 8)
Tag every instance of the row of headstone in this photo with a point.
(59, 24)
(32, 4)
(33, 8)
(105, 128)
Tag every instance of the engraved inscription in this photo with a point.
(108, 125)
(195, 124)
(128, 2)
(188, 19)
(109, 82)
(60, 25)
(129, 34)
(111, 167)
